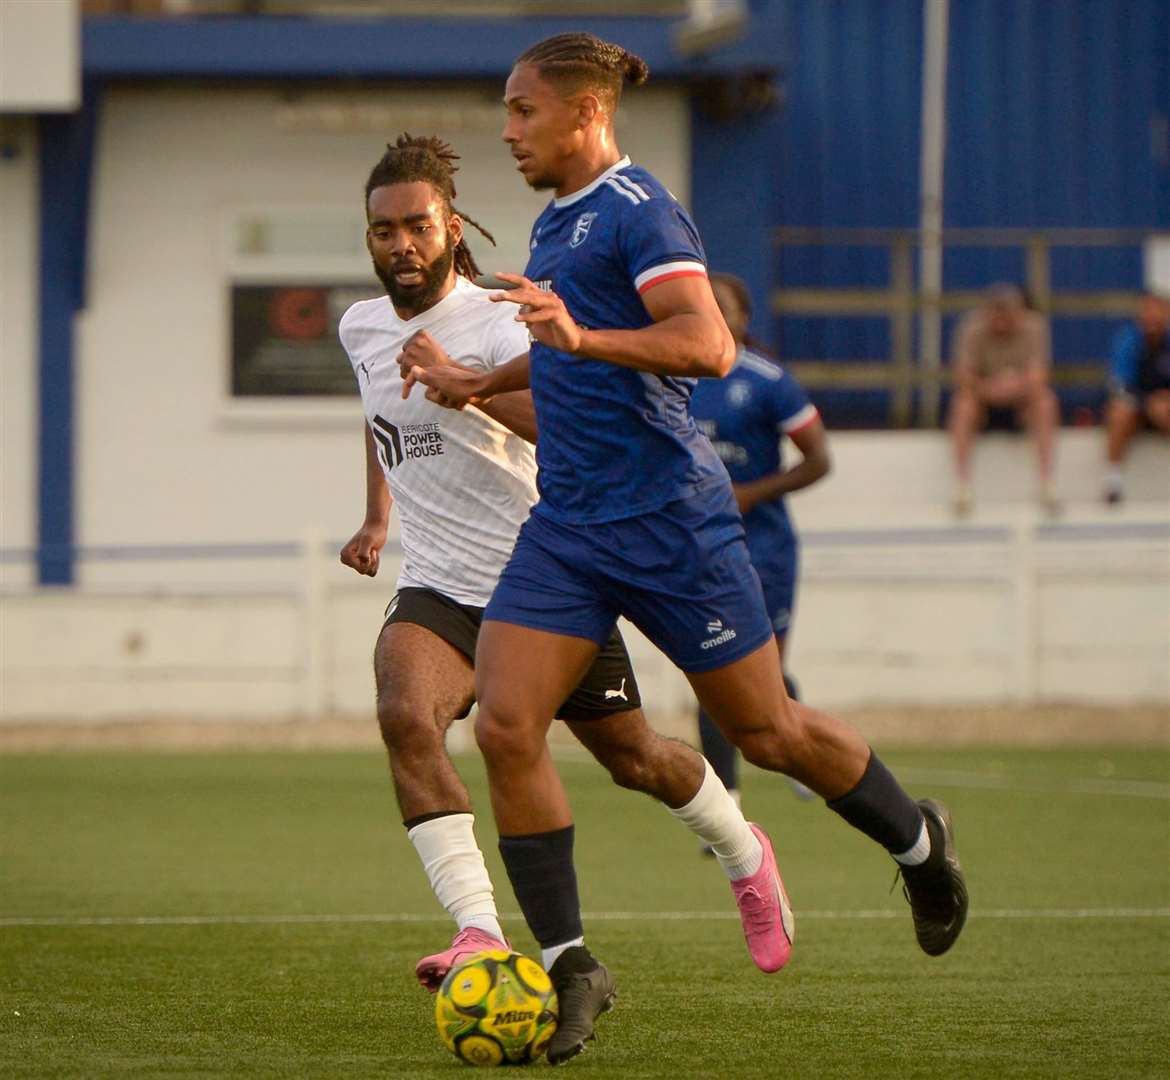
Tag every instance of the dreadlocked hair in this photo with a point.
(427, 159)
(578, 60)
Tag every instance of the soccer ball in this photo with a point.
(496, 1008)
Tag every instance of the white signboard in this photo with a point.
(40, 56)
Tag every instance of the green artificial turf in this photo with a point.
(292, 845)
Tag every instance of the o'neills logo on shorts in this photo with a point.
(722, 634)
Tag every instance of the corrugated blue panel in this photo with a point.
(848, 155)
(1052, 111)
(1056, 115)
(850, 140)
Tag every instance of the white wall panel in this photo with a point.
(306, 650)
(40, 55)
(19, 208)
(163, 456)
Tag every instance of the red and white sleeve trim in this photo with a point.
(800, 420)
(665, 271)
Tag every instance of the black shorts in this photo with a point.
(608, 687)
(1002, 418)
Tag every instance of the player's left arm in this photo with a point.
(687, 338)
(815, 463)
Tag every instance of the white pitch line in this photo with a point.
(595, 916)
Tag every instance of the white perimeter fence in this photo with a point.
(1015, 609)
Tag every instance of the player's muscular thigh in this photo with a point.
(423, 683)
(745, 697)
(524, 675)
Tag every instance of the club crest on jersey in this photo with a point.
(581, 229)
(739, 393)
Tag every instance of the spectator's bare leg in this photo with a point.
(965, 420)
(1158, 410)
(1121, 421)
(1042, 416)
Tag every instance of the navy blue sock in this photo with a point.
(720, 751)
(540, 867)
(881, 809)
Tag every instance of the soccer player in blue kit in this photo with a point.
(746, 415)
(636, 514)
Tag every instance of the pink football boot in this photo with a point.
(764, 910)
(432, 970)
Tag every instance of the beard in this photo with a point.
(418, 298)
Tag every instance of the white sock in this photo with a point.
(455, 868)
(735, 798)
(548, 957)
(714, 817)
(1114, 480)
(919, 853)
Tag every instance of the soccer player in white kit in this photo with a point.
(464, 483)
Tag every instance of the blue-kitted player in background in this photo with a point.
(747, 415)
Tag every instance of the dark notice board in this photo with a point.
(284, 339)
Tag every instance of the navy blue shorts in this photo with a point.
(778, 578)
(681, 574)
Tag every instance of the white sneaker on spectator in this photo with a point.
(1114, 490)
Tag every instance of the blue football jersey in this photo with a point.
(614, 442)
(746, 415)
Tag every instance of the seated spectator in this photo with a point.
(1000, 369)
(1139, 386)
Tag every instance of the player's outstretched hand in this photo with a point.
(363, 552)
(421, 350)
(449, 385)
(548, 320)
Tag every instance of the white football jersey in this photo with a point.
(463, 482)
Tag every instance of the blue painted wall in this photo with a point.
(1050, 109)
(848, 157)
(1057, 115)
(67, 144)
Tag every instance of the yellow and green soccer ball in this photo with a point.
(496, 1008)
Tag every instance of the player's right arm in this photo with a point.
(687, 337)
(456, 387)
(514, 410)
(363, 551)
(511, 407)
